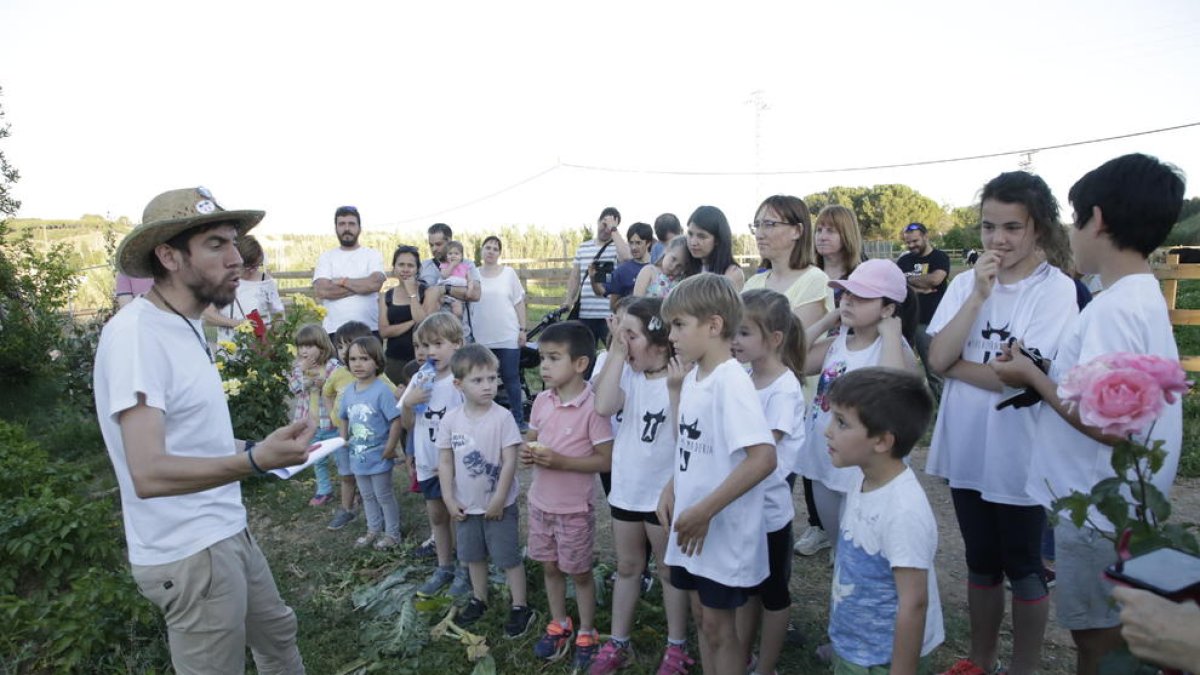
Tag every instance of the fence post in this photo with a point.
(1170, 286)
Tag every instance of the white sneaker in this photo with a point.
(814, 539)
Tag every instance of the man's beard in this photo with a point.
(210, 293)
(353, 238)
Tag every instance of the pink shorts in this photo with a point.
(562, 538)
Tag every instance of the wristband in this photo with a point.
(250, 456)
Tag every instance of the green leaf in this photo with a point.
(1115, 509)
(1124, 455)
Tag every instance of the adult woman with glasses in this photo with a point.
(256, 290)
(499, 321)
(782, 229)
(401, 309)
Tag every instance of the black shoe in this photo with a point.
(471, 613)
(519, 621)
(647, 582)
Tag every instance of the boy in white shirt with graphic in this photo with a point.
(423, 409)
(713, 505)
(885, 614)
(1123, 209)
(478, 445)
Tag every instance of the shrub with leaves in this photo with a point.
(254, 368)
(64, 609)
(75, 358)
(34, 288)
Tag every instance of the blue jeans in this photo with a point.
(321, 468)
(510, 374)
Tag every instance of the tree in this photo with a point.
(882, 210)
(8, 175)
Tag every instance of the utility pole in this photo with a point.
(758, 101)
(1026, 161)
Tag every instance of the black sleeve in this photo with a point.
(939, 260)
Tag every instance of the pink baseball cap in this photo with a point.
(876, 278)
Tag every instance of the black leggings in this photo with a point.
(813, 518)
(1001, 540)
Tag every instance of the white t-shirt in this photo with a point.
(478, 443)
(813, 460)
(1129, 316)
(260, 294)
(146, 350)
(356, 264)
(494, 320)
(591, 306)
(719, 417)
(443, 398)
(975, 446)
(783, 406)
(644, 448)
(889, 527)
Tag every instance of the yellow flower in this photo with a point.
(251, 375)
(291, 350)
(220, 366)
(245, 328)
(227, 346)
(321, 312)
(232, 387)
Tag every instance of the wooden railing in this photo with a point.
(1171, 273)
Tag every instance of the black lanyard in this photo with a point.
(203, 343)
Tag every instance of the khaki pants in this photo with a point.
(218, 601)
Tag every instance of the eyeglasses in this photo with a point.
(766, 225)
(915, 227)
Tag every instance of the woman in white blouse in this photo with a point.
(498, 321)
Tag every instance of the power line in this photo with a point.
(1058, 146)
(472, 202)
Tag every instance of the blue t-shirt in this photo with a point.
(369, 414)
(623, 279)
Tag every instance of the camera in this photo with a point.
(602, 271)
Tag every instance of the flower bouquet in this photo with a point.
(1122, 395)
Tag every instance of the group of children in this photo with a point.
(699, 417)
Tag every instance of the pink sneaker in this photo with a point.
(611, 658)
(320, 500)
(675, 661)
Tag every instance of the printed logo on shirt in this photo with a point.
(474, 462)
(689, 442)
(652, 423)
(820, 400)
(993, 339)
(434, 417)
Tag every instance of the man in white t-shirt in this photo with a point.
(166, 425)
(348, 278)
(1124, 209)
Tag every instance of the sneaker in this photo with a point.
(427, 550)
(439, 580)
(519, 621)
(555, 642)
(586, 646)
(386, 542)
(320, 500)
(611, 658)
(825, 652)
(814, 539)
(366, 540)
(471, 613)
(647, 581)
(965, 667)
(341, 519)
(1050, 576)
(675, 661)
(461, 587)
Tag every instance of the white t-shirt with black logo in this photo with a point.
(644, 449)
(443, 398)
(975, 446)
(1129, 316)
(719, 417)
(783, 406)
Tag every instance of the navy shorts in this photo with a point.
(712, 594)
(627, 516)
(431, 488)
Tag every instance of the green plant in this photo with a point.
(255, 365)
(63, 606)
(34, 287)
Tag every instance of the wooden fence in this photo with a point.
(1170, 273)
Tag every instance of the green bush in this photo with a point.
(34, 288)
(65, 598)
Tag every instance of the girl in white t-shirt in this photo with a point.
(632, 385)
(875, 312)
(771, 340)
(1012, 292)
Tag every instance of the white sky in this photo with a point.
(409, 109)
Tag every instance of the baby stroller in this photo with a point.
(530, 360)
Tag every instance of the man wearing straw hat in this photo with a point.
(166, 424)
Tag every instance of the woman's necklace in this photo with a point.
(203, 344)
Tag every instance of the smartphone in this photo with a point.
(1167, 572)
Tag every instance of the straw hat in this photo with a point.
(169, 214)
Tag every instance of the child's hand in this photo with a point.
(417, 396)
(676, 371)
(526, 454)
(666, 506)
(1012, 367)
(542, 455)
(986, 270)
(691, 527)
(411, 464)
(399, 391)
(456, 509)
(389, 454)
(889, 327)
(495, 509)
(618, 338)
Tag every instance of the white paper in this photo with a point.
(323, 449)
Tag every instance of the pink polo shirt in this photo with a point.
(571, 429)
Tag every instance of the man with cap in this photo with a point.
(165, 421)
(347, 279)
(928, 272)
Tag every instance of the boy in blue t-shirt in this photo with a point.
(885, 614)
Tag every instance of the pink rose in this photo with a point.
(1169, 375)
(1121, 402)
(1078, 381)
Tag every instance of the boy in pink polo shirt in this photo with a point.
(568, 445)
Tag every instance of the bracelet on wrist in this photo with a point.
(250, 456)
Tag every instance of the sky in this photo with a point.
(478, 114)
